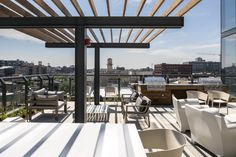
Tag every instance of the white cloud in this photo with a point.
(13, 34)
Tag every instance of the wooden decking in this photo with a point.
(160, 117)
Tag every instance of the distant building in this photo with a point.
(7, 71)
(109, 65)
(204, 67)
(166, 69)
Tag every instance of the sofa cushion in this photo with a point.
(60, 94)
(134, 96)
(211, 110)
(46, 97)
(231, 118)
(39, 92)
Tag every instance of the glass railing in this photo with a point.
(14, 91)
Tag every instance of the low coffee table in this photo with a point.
(97, 113)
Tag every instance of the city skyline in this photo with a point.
(172, 46)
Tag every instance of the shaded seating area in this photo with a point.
(42, 99)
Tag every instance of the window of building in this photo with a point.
(228, 14)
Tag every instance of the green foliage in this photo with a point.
(3, 116)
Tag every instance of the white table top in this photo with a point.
(70, 139)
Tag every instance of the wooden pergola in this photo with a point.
(39, 19)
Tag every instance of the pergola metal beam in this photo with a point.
(100, 45)
(91, 22)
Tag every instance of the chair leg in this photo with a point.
(227, 108)
(219, 108)
(56, 116)
(65, 107)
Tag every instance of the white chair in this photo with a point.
(179, 109)
(88, 94)
(110, 92)
(211, 130)
(218, 97)
(162, 142)
(201, 96)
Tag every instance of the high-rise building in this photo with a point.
(228, 43)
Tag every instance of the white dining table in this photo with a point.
(70, 139)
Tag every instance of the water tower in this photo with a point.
(109, 65)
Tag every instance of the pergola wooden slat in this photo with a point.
(171, 8)
(92, 5)
(67, 37)
(184, 10)
(67, 34)
(140, 7)
(81, 13)
(123, 14)
(153, 12)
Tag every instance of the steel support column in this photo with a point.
(80, 74)
(26, 90)
(4, 94)
(97, 77)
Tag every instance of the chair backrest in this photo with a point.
(134, 96)
(214, 94)
(202, 96)
(88, 90)
(191, 94)
(110, 90)
(143, 104)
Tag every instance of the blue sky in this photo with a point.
(200, 36)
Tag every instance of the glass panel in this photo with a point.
(229, 55)
(228, 14)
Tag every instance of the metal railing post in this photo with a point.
(119, 86)
(41, 81)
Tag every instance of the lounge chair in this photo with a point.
(140, 108)
(42, 99)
